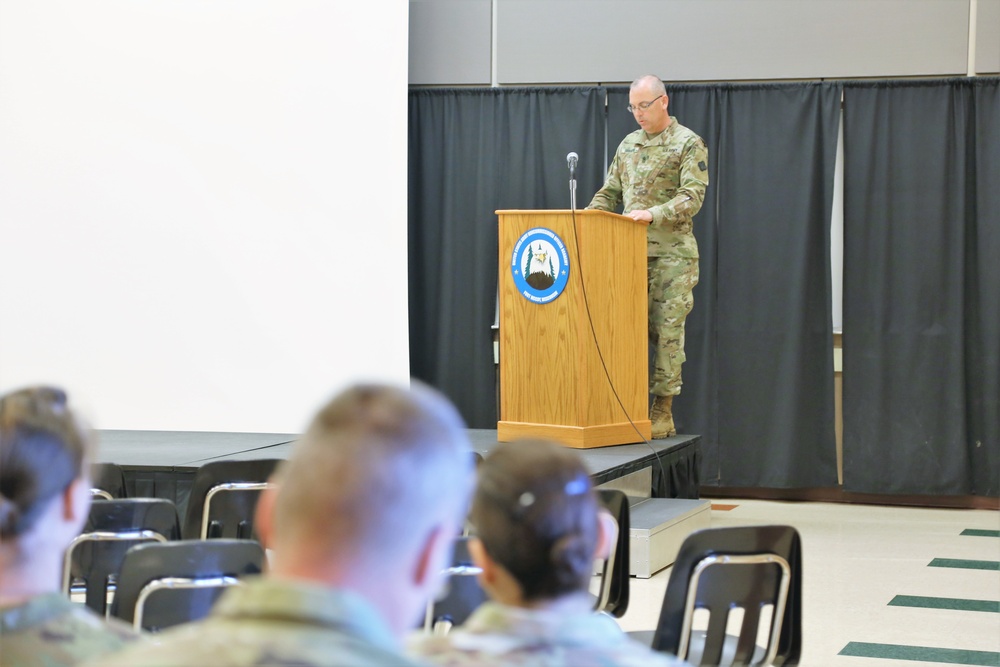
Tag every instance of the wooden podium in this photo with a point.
(553, 383)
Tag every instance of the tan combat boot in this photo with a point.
(662, 417)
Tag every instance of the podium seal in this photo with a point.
(540, 265)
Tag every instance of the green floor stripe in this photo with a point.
(957, 604)
(965, 564)
(976, 532)
(952, 656)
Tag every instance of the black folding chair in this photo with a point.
(166, 584)
(755, 571)
(461, 595)
(613, 594)
(94, 557)
(224, 497)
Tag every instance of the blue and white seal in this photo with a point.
(540, 265)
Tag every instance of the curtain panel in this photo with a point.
(922, 287)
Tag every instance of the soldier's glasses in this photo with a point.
(642, 106)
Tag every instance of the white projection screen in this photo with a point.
(203, 206)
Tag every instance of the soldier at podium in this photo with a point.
(660, 173)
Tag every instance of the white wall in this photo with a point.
(610, 41)
(542, 41)
(202, 205)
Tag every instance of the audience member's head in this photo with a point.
(45, 453)
(536, 519)
(372, 497)
(44, 487)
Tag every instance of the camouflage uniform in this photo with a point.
(50, 631)
(276, 622)
(498, 634)
(666, 174)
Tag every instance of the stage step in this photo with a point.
(658, 526)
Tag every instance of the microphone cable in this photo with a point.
(600, 355)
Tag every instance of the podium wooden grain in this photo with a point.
(553, 383)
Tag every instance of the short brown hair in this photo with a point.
(376, 463)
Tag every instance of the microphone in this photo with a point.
(571, 159)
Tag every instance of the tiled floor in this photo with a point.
(859, 558)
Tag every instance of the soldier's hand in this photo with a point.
(644, 216)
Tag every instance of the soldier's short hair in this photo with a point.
(651, 80)
(377, 465)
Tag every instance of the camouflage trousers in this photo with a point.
(670, 281)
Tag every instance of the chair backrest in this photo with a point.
(95, 556)
(223, 498)
(461, 594)
(107, 481)
(163, 585)
(721, 569)
(614, 573)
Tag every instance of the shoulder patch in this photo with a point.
(702, 165)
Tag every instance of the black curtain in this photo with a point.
(758, 382)
(472, 152)
(922, 287)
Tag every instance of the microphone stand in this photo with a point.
(572, 190)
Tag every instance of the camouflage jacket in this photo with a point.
(666, 174)
(50, 631)
(498, 634)
(275, 622)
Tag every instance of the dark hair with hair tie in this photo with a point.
(535, 512)
(42, 450)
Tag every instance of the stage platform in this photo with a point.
(162, 464)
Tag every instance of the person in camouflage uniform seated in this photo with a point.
(44, 501)
(660, 173)
(361, 522)
(537, 531)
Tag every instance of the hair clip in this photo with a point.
(576, 486)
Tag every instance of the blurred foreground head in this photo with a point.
(44, 449)
(373, 495)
